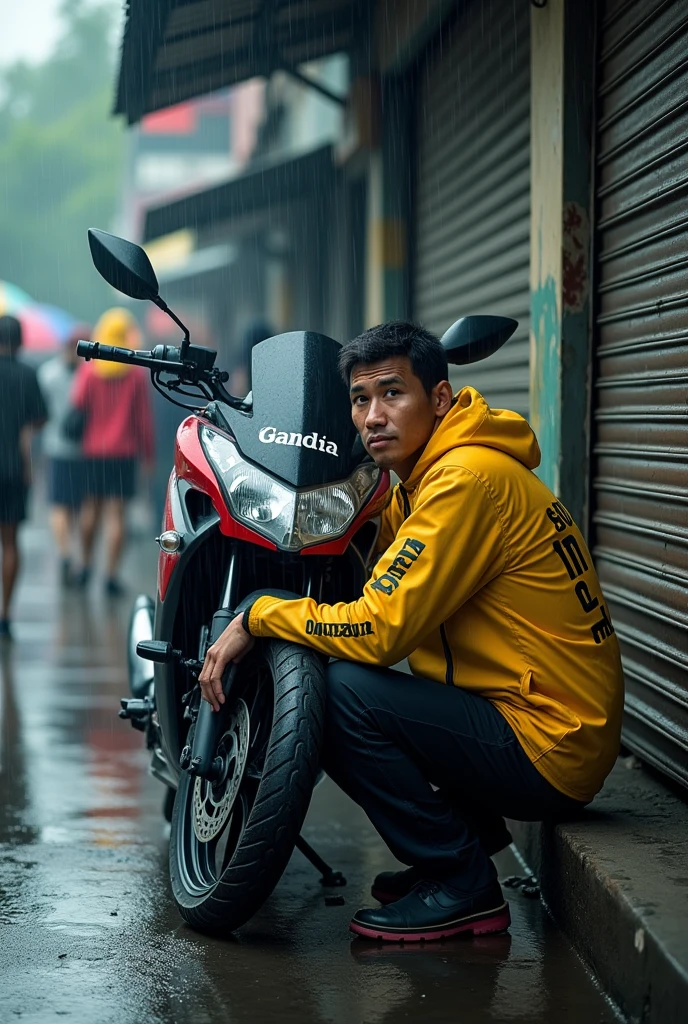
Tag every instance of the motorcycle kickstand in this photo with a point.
(331, 879)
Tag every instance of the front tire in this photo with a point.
(168, 803)
(230, 843)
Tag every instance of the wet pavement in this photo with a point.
(88, 931)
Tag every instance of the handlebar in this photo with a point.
(196, 368)
(162, 357)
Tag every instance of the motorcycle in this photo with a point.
(273, 493)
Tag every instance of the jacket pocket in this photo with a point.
(556, 711)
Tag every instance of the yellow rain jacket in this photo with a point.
(485, 582)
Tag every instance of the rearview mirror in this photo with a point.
(123, 265)
(476, 337)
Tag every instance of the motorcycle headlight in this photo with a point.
(292, 519)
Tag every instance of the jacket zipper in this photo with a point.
(449, 675)
(405, 500)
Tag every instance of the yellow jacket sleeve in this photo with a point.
(449, 546)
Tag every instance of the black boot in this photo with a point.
(113, 588)
(81, 578)
(389, 886)
(432, 910)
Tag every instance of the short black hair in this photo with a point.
(397, 338)
(10, 333)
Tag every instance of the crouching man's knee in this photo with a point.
(353, 688)
(346, 707)
(343, 684)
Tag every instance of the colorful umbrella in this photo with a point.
(13, 299)
(60, 320)
(44, 328)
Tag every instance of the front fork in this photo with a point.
(198, 756)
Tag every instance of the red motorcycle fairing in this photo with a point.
(192, 465)
(167, 561)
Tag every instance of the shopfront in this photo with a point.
(639, 493)
(471, 220)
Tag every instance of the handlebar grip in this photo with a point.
(165, 358)
(96, 350)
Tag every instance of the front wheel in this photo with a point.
(231, 840)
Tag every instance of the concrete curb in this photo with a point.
(616, 881)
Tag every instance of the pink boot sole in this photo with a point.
(486, 924)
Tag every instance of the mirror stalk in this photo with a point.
(161, 304)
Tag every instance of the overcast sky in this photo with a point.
(28, 28)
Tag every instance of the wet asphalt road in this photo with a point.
(88, 931)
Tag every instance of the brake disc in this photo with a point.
(213, 802)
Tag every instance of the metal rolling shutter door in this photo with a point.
(640, 482)
(472, 221)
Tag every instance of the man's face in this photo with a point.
(393, 413)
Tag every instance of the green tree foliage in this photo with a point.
(61, 157)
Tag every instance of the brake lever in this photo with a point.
(194, 666)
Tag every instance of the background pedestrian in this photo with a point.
(255, 331)
(22, 410)
(114, 400)
(65, 467)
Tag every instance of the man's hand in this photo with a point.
(230, 646)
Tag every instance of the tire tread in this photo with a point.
(284, 792)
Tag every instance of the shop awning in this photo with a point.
(210, 260)
(176, 49)
(268, 184)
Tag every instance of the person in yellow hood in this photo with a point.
(486, 584)
(114, 401)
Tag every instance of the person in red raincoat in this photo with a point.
(117, 436)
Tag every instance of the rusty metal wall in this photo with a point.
(640, 476)
(472, 201)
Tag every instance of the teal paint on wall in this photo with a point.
(545, 386)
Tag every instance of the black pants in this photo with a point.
(391, 737)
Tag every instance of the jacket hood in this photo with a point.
(471, 421)
(116, 327)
